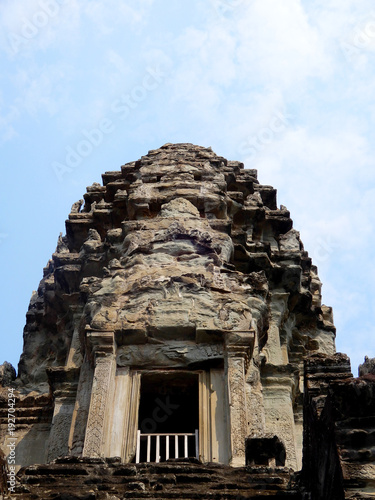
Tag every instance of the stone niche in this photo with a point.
(180, 302)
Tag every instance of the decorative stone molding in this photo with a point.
(81, 410)
(63, 383)
(101, 345)
(239, 346)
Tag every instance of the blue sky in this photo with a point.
(287, 87)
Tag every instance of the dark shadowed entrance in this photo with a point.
(169, 404)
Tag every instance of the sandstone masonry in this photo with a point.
(181, 302)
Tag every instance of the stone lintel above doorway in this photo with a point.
(172, 354)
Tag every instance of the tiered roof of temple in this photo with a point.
(181, 276)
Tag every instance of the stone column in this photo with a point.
(63, 384)
(102, 347)
(279, 384)
(239, 346)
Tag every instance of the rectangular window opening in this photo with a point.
(168, 416)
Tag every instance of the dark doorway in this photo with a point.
(169, 404)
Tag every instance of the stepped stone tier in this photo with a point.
(181, 304)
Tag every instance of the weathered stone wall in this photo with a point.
(99, 479)
(339, 438)
(33, 415)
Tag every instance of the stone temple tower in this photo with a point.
(171, 329)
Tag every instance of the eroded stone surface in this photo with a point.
(367, 368)
(7, 374)
(339, 430)
(104, 480)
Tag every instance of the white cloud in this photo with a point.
(325, 166)
(36, 25)
(42, 90)
(277, 44)
(7, 119)
(110, 14)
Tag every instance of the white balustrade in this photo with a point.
(155, 442)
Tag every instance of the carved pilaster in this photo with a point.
(74, 358)
(63, 384)
(279, 385)
(239, 346)
(101, 345)
(81, 410)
